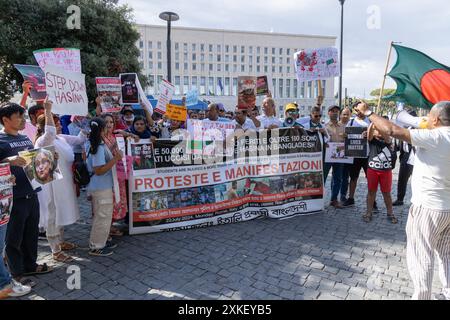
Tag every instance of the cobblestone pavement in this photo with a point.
(331, 255)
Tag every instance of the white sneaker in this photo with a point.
(14, 289)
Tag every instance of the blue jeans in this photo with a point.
(336, 183)
(5, 277)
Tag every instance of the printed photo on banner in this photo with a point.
(315, 64)
(130, 92)
(246, 92)
(335, 153)
(67, 91)
(36, 77)
(166, 91)
(356, 145)
(110, 91)
(142, 156)
(262, 88)
(205, 135)
(42, 166)
(68, 59)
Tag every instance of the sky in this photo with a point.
(369, 27)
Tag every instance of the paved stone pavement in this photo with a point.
(331, 255)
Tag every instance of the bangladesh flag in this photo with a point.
(421, 81)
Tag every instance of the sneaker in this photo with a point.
(105, 252)
(398, 203)
(350, 202)
(14, 289)
(336, 204)
(111, 244)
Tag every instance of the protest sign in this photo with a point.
(192, 97)
(121, 166)
(186, 193)
(178, 113)
(67, 91)
(6, 193)
(356, 145)
(142, 157)
(110, 91)
(36, 77)
(335, 153)
(206, 135)
(68, 59)
(316, 64)
(262, 87)
(42, 166)
(246, 92)
(166, 91)
(130, 92)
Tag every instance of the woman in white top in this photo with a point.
(57, 200)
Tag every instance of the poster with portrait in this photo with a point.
(6, 193)
(110, 91)
(142, 154)
(36, 77)
(335, 153)
(262, 87)
(130, 90)
(42, 166)
(246, 92)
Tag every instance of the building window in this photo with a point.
(186, 66)
(177, 46)
(274, 86)
(159, 55)
(177, 66)
(302, 90)
(273, 60)
(280, 87)
(250, 50)
(288, 88)
(234, 49)
(250, 69)
(266, 60)
(150, 45)
(210, 48)
(281, 51)
(227, 58)
(210, 67)
(219, 48)
(185, 47)
(258, 59)
(219, 67)
(250, 59)
(194, 67)
(177, 56)
(258, 69)
(281, 60)
(295, 87)
(235, 58)
(211, 86)
(159, 65)
(159, 45)
(234, 68)
(288, 70)
(186, 84)
(141, 44)
(266, 69)
(177, 85)
(210, 57)
(227, 49)
(288, 52)
(202, 47)
(227, 68)
(273, 69)
(194, 57)
(193, 47)
(280, 69)
(150, 65)
(242, 49)
(194, 82)
(203, 85)
(273, 51)
(288, 60)
(202, 67)
(150, 55)
(266, 50)
(151, 83)
(309, 93)
(258, 50)
(185, 55)
(219, 87)
(227, 87)
(242, 59)
(234, 86)
(219, 58)
(202, 57)
(242, 68)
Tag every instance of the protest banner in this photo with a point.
(178, 113)
(42, 166)
(316, 64)
(67, 91)
(68, 59)
(142, 156)
(335, 153)
(110, 91)
(285, 179)
(36, 77)
(246, 92)
(356, 146)
(130, 92)
(192, 97)
(262, 87)
(166, 91)
(6, 193)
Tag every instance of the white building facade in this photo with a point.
(212, 60)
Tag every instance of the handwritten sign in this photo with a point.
(178, 113)
(68, 59)
(316, 64)
(67, 90)
(166, 91)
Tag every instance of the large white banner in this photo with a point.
(65, 58)
(316, 64)
(67, 91)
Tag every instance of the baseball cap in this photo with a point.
(220, 107)
(127, 108)
(290, 106)
(333, 107)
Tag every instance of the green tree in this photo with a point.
(386, 92)
(106, 38)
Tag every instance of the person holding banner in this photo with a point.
(100, 163)
(428, 227)
(58, 200)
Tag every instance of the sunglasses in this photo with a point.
(293, 111)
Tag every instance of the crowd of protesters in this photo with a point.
(55, 205)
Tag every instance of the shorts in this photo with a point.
(355, 169)
(384, 178)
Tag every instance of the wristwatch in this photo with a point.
(368, 113)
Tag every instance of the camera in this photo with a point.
(289, 122)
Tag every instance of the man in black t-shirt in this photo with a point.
(23, 226)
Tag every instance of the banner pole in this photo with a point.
(384, 77)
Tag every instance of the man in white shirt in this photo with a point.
(269, 119)
(245, 120)
(428, 227)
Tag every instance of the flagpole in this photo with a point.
(385, 74)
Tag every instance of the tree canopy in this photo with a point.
(106, 38)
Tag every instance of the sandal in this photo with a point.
(68, 246)
(62, 257)
(25, 281)
(367, 218)
(392, 219)
(40, 269)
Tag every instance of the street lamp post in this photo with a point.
(169, 17)
(342, 46)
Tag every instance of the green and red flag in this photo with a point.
(421, 81)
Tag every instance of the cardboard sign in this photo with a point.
(178, 113)
(356, 145)
(166, 91)
(68, 59)
(246, 92)
(110, 90)
(36, 76)
(192, 97)
(130, 91)
(67, 91)
(262, 87)
(316, 64)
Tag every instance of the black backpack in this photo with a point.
(81, 174)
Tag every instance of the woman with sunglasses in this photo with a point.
(58, 200)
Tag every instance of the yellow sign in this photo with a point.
(175, 112)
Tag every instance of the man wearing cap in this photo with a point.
(291, 111)
(336, 133)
